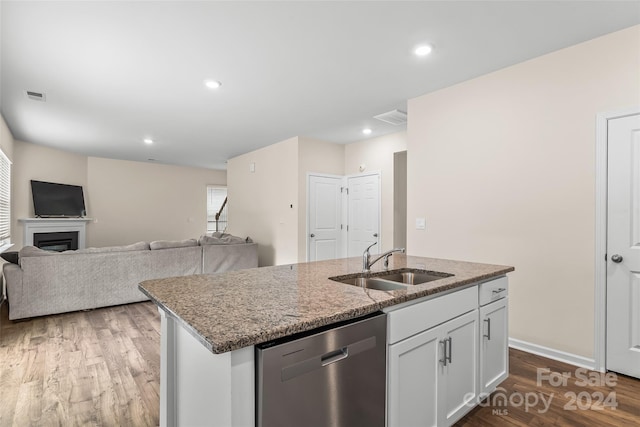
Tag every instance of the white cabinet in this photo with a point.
(494, 339)
(460, 372)
(443, 352)
(432, 375)
(414, 377)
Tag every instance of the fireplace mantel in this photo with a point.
(55, 225)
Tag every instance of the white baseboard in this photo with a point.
(550, 353)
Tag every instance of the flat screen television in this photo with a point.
(52, 199)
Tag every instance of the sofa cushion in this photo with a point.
(166, 244)
(28, 251)
(222, 239)
(140, 246)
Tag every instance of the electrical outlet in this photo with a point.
(421, 223)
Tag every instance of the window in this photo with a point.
(216, 203)
(5, 201)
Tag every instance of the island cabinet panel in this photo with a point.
(494, 342)
(198, 387)
(414, 377)
(433, 375)
(460, 373)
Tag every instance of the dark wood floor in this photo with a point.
(577, 403)
(101, 368)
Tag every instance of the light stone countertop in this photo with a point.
(229, 311)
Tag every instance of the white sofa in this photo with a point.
(45, 282)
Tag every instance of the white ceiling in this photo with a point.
(115, 72)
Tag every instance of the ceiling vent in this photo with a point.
(395, 117)
(35, 96)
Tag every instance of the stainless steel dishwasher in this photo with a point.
(334, 376)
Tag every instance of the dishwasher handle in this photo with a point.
(334, 356)
(317, 361)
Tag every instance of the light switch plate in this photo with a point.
(421, 223)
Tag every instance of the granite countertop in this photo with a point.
(228, 311)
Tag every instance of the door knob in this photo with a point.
(375, 234)
(312, 235)
(616, 258)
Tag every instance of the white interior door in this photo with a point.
(364, 213)
(623, 246)
(325, 214)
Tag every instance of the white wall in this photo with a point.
(41, 163)
(503, 169)
(131, 201)
(260, 202)
(264, 204)
(137, 201)
(377, 155)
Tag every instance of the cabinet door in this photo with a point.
(460, 374)
(413, 380)
(494, 347)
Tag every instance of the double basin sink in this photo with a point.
(391, 280)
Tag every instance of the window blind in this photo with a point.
(5, 199)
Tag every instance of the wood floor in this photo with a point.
(574, 404)
(101, 368)
(89, 368)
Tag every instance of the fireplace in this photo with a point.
(52, 226)
(56, 241)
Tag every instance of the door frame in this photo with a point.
(600, 297)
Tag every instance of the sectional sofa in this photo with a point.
(45, 282)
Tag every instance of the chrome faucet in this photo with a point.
(366, 258)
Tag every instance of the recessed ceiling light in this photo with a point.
(148, 141)
(212, 84)
(367, 131)
(423, 50)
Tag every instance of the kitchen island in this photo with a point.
(211, 323)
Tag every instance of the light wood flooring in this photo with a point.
(101, 368)
(98, 367)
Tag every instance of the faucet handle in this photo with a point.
(386, 260)
(388, 255)
(370, 246)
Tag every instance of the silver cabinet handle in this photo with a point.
(450, 348)
(312, 235)
(444, 352)
(488, 335)
(616, 258)
(497, 291)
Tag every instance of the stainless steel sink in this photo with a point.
(372, 283)
(392, 279)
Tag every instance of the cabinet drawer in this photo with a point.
(493, 290)
(421, 316)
